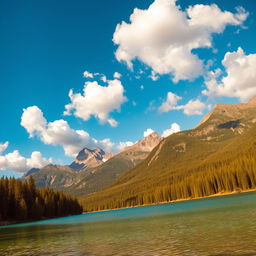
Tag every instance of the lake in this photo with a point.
(215, 226)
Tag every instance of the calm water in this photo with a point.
(217, 226)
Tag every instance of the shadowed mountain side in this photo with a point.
(184, 163)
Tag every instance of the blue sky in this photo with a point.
(46, 46)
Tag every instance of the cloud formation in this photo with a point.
(97, 101)
(60, 133)
(239, 79)
(16, 162)
(3, 146)
(163, 36)
(117, 75)
(87, 74)
(193, 107)
(148, 132)
(174, 128)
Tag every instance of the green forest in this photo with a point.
(221, 177)
(21, 201)
(203, 169)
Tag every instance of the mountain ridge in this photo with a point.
(94, 175)
(195, 155)
(89, 158)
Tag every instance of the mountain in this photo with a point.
(217, 155)
(31, 171)
(53, 176)
(98, 169)
(146, 144)
(102, 176)
(88, 158)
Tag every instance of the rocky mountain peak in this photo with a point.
(252, 101)
(88, 158)
(87, 153)
(146, 144)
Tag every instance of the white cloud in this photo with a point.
(3, 146)
(104, 78)
(88, 74)
(148, 132)
(239, 79)
(97, 101)
(142, 87)
(154, 76)
(112, 122)
(117, 75)
(16, 162)
(193, 107)
(163, 36)
(174, 128)
(170, 103)
(60, 133)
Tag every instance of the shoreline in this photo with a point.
(12, 222)
(179, 200)
(4, 223)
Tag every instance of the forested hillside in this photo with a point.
(21, 201)
(217, 156)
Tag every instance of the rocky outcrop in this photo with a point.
(88, 158)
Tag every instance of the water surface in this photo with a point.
(216, 226)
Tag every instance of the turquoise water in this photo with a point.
(216, 226)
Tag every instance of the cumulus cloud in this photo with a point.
(60, 133)
(104, 78)
(163, 36)
(154, 76)
(87, 74)
(97, 101)
(238, 80)
(170, 103)
(16, 162)
(148, 132)
(192, 107)
(3, 146)
(174, 128)
(117, 75)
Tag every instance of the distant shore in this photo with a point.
(180, 200)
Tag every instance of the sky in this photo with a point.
(86, 73)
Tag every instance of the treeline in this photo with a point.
(233, 174)
(20, 201)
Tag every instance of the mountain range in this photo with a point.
(217, 156)
(93, 170)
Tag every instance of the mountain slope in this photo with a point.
(53, 176)
(102, 176)
(184, 164)
(95, 174)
